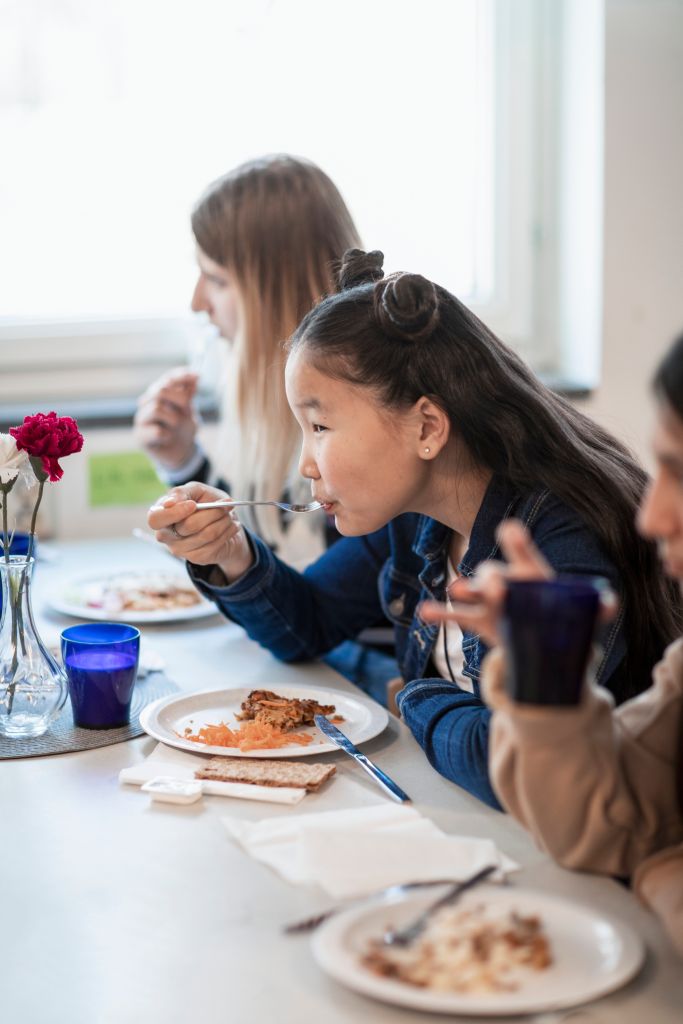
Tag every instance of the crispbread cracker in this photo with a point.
(266, 773)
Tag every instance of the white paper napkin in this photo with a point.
(178, 765)
(355, 852)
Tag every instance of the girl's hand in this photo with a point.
(211, 536)
(477, 601)
(165, 423)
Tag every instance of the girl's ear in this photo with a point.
(433, 428)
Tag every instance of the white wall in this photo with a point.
(643, 197)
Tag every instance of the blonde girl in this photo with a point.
(269, 237)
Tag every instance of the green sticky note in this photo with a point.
(122, 478)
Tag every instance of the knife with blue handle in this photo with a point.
(338, 737)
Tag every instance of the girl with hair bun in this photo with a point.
(422, 432)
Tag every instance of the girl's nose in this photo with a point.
(655, 515)
(199, 303)
(307, 466)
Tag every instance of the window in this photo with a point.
(426, 116)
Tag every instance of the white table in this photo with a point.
(115, 911)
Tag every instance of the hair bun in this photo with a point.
(407, 306)
(358, 267)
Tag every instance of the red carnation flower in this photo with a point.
(48, 438)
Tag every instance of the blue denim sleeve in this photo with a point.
(300, 616)
(452, 727)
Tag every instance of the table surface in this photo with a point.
(115, 910)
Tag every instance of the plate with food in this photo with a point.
(261, 722)
(496, 951)
(144, 597)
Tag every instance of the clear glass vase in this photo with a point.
(33, 686)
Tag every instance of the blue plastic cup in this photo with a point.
(548, 627)
(101, 663)
(18, 543)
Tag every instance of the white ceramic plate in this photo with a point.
(592, 954)
(167, 718)
(72, 599)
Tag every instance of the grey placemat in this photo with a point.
(63, 736)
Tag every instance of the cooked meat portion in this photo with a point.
(283, 712)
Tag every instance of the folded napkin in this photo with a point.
(178, 765)
(355, 852)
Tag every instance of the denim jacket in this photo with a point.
(361, 580)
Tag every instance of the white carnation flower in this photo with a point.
(14, 463)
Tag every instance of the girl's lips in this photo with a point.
(325, 502)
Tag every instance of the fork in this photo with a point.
(405, 936)
(307, 924)
(312, 506)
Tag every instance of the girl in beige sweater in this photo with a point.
(615, 803)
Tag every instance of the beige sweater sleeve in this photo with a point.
(596, 787)
(659, 883)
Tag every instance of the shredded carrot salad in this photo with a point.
(250, 736)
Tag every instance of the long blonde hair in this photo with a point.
(280, 227)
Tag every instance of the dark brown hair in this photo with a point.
(668, 379)
(668, 388)
(404, 337)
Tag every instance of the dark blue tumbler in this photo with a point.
(101, 663)
(18, 543)
(548, 628)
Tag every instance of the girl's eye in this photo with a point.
(217, 282)
(318, 428)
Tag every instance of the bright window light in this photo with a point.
(116, 115)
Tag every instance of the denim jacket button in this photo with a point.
(397, 606)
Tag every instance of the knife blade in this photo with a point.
(342, 741)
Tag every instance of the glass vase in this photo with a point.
(33, 686)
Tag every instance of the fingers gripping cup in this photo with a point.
(548, 628)
(101, 663)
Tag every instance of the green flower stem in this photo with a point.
(10, 596)
(32, 531)
(14, 596)
(5, 541)
(5, 487)
(20, 616)
(29, 553)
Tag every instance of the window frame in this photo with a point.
(97, 361)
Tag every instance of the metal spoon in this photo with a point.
(312, 506)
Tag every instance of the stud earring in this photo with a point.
(427, 451)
